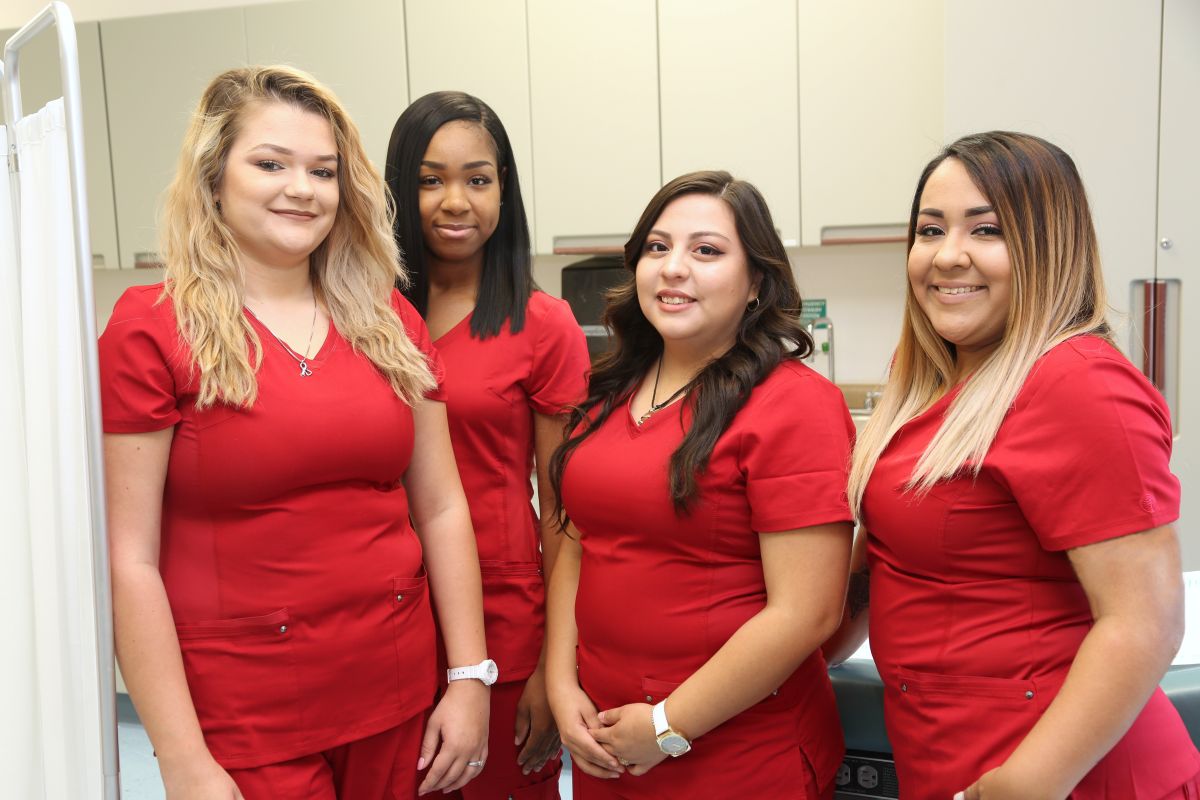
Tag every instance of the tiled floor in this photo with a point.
(139, 770)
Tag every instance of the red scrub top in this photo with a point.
(293, 574)
(659, 593)
(976, 613)
(493, 387)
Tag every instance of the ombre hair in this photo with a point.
(1057, 293)
(354, 270)
(768, 333)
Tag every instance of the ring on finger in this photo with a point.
(623, 762)
(475, 764)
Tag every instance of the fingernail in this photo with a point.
(421, 763)
(960, 796)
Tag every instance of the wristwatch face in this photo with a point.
(490, 671)
(673, 744)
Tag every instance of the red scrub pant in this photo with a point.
(379, 767)
(501, 777)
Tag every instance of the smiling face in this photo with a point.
(693, 278)
(459, 193)
(279, 189)
(959, 267)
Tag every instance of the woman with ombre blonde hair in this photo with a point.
(1016, 499)
(273, 418)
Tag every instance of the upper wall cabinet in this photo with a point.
(479, 47)
(1093, 93)
(155, 69)
(355, 47)
(728, 75)
(40, 83)
(870, 111)
(594, 84)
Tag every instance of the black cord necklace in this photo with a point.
(655, 407)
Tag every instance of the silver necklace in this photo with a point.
(656, 407)
(302, 360)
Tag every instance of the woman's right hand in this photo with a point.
(198, 779)
(575, 713)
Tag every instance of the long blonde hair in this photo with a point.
(355, 269)
(1057, 293)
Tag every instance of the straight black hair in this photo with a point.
(507, 279)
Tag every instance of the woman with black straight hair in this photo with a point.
(515, 361)
(704, 480)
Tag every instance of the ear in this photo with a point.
(756, 284)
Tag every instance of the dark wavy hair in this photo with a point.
(507, 279)
(769, 333)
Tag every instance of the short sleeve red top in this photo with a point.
(660, 593)
(293, 574)
(976, 613)
(494, 386)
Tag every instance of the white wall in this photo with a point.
(15, 13)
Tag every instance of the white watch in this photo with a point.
(485, 672)
(670, 741)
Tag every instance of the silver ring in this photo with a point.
(623, 762)
(476, 764)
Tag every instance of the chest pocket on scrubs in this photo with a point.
(242, 678)
(514, 615)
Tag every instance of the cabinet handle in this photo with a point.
(1154, 332)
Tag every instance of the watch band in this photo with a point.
(658, 715)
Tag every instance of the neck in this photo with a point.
(967, 361)
(267, 284)
(678, 369)
(454, 277)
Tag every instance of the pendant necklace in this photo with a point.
(302, 360)
(656, 407)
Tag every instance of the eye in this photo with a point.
(987, 229)
(656, 247)
(324, 172)
(428, 180)
(929, 230)
(707, 250)
(267, 165)
(480, 180)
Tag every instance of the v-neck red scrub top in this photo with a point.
(660, 593)
(294, 577)
(493, 387)
(976, 613)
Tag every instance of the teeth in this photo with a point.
(674, 301)
(958, 289)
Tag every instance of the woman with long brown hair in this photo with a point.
(273, 417)
(1014, 481)
(704, 480)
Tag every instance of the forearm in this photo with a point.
(151, 664)
(755, 661)
(562, 636)
(1114, 673)
(452, 561)
(853, 628)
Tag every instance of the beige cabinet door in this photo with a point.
(480, 47)
(594, 98)
(1086, 82)
(355, 47)
(870, 113)
(155, 69)
(729, 97)
(1179, 249)
(41, 83)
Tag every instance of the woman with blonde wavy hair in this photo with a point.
(274, 417)
(1014, 486)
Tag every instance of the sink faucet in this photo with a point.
(828, 348)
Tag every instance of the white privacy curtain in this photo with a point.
(53, 735)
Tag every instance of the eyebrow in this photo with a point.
(468, 165)
(285, 151)
(971, 212)
(696, 235)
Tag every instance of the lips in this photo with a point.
(957, 290)
(454, 230)
(293, 213)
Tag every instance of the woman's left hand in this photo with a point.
(997, 784)
(628, 733)
(535, 725)
(457, 733)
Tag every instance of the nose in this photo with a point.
(301, 185)
(454, 199)
(952, 253)
(675, 265)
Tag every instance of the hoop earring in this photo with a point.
(753, 304)
(217, 203)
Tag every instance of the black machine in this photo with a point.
(584, 285)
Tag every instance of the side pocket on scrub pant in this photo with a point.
(242, 677)
(416, 644)
(514, 615)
